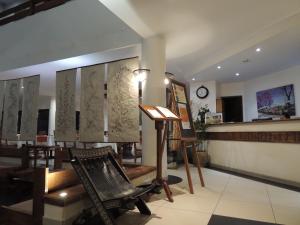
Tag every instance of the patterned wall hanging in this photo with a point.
(11, 108)
(122, 98)
(65, 116)
(30, 108)
(2, 91)
(92, 103)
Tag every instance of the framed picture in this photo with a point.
(276, 102)
(213, 118)
(182, 106)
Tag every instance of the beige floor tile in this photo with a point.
(283, 197)
(212, 183)
(193, 203)
(177, 217)
(246, 184)
(245, 210)
(287, 215)
(135, 218)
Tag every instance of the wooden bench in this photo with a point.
(58, 197)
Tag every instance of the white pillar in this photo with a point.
(51, 124)
(154, 93)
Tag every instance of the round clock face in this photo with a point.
(202, 92)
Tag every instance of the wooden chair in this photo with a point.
(33, 215)
(137, 151)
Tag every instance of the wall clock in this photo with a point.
(202, 92)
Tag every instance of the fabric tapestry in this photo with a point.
(11, 108)
(92, 103)
(65, 116)
(122, 98)
(30, 108)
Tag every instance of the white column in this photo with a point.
(51, 124)
(154, 93)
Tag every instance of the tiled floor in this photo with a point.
(225, 195)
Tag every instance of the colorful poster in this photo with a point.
(185, 120)
(179, 93)
(276, 102)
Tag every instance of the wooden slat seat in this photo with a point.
(74, 194)
(134, 172)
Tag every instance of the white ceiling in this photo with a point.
(200, 34)
(203, 33)
(48, 70)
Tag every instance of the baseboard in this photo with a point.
(290, 185)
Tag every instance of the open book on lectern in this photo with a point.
(158, 112)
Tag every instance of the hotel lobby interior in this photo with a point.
(161, 112)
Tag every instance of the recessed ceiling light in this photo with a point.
(22, 87)
(237, 74)
(219, 67)
(258, 49)
(193, 78)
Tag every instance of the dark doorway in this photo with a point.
(232, 109)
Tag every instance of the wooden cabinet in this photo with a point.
(219, 105)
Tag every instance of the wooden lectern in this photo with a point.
(161, 116)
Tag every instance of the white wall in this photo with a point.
(231, 89)
(210, 100)
(72, 29)
(281, 78)
(247, 90)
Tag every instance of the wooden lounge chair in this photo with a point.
(106, 183)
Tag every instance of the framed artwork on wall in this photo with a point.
(213, 118)
(276, 102)
(182, 107)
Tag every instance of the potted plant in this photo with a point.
(201, 128)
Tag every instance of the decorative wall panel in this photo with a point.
(2, 91)
(65, 116)
(122, 97)
(91, 104)
(11, 108)
(30, 108)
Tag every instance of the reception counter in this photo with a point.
(265, 149)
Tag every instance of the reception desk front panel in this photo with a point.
(269, 149)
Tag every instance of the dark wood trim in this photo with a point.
(258, 122)
(291, 137)
(28, 8)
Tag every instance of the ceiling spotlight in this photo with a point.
(22, 87)
(193, 78)
(237, 74)
(258, 50)
(219, 67)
